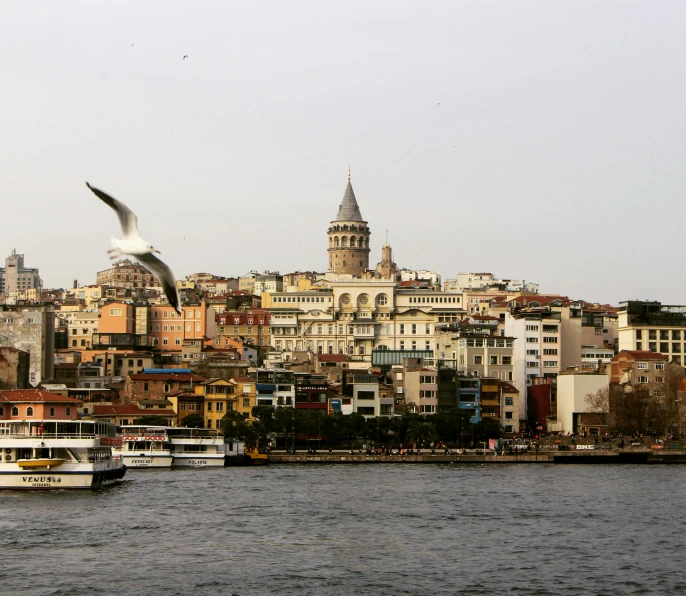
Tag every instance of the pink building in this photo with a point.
(34, 404)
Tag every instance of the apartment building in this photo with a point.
(481, 354)
(126, 274)
(638, 367)
(537, 346)
(251, 327)
(31, 328)
(654, 327)
(16, 278)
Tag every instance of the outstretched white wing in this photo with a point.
(127, 218)
(165, 276)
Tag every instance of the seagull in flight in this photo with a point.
(186, 56)
(132, 244)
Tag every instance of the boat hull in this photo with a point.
(144, 460)
(197, 461)
(62, 479)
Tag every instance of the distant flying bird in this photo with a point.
(186, 56)
(132, 244)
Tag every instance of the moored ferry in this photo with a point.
(145, 447)
(196, 447)
(43, 445)
(58, 455)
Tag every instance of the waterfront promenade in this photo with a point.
(595, 456)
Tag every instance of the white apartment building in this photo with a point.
(537, 344)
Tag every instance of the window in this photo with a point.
(115, 312)
(676, 334)
(209, 406)
(507, 359)
(642, 379)
(29, 412)
(402, 328)
(182, 406)
(652, 334)
(652, 346)
(659, 379)
(478, 359)
(642, 366)
(425, 393)
(165, 328)
(165, 341)
(676, 348)
(531, 364)
(659, 366)
(550, 340)
(427, 379)
(414, 329)
(508, 415)
(494, 360)
(220, 406)
(664, 347)
(534, 340)
(532, 327)
(550, 352)
(509, 401)
(550, 363)
(15, 411)
(639, 334)
(52, 411)
(68, 411)
(428, 409)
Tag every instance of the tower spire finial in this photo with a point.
(348, 173)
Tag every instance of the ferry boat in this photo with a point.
(196, 447)
(59, 454)
(145, 447)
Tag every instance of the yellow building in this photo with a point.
(246, 393)
(219, 398)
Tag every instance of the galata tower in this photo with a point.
(349, 237)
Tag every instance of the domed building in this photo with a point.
(349, 238)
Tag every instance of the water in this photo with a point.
(354, 529)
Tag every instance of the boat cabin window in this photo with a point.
(52, 411)
(68, 411)
(15, 411)
(29, 411)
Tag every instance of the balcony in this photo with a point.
(364, 332)
(121, 341)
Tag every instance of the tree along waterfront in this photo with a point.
(289, 428)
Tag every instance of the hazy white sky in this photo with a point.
(556, 154)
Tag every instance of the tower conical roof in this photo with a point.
(349, 209)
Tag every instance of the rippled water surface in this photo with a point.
(354, 529)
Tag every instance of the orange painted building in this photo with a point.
(117, 317)
(33, 404)
(170, 329)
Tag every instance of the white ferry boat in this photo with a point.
(58, 455)
(196, 447)
(145, 447)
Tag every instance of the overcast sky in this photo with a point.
(537, 140)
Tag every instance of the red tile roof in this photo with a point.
(641, 355)
(333, 358)
(36, 396)
(171, 376)
(121, 410)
